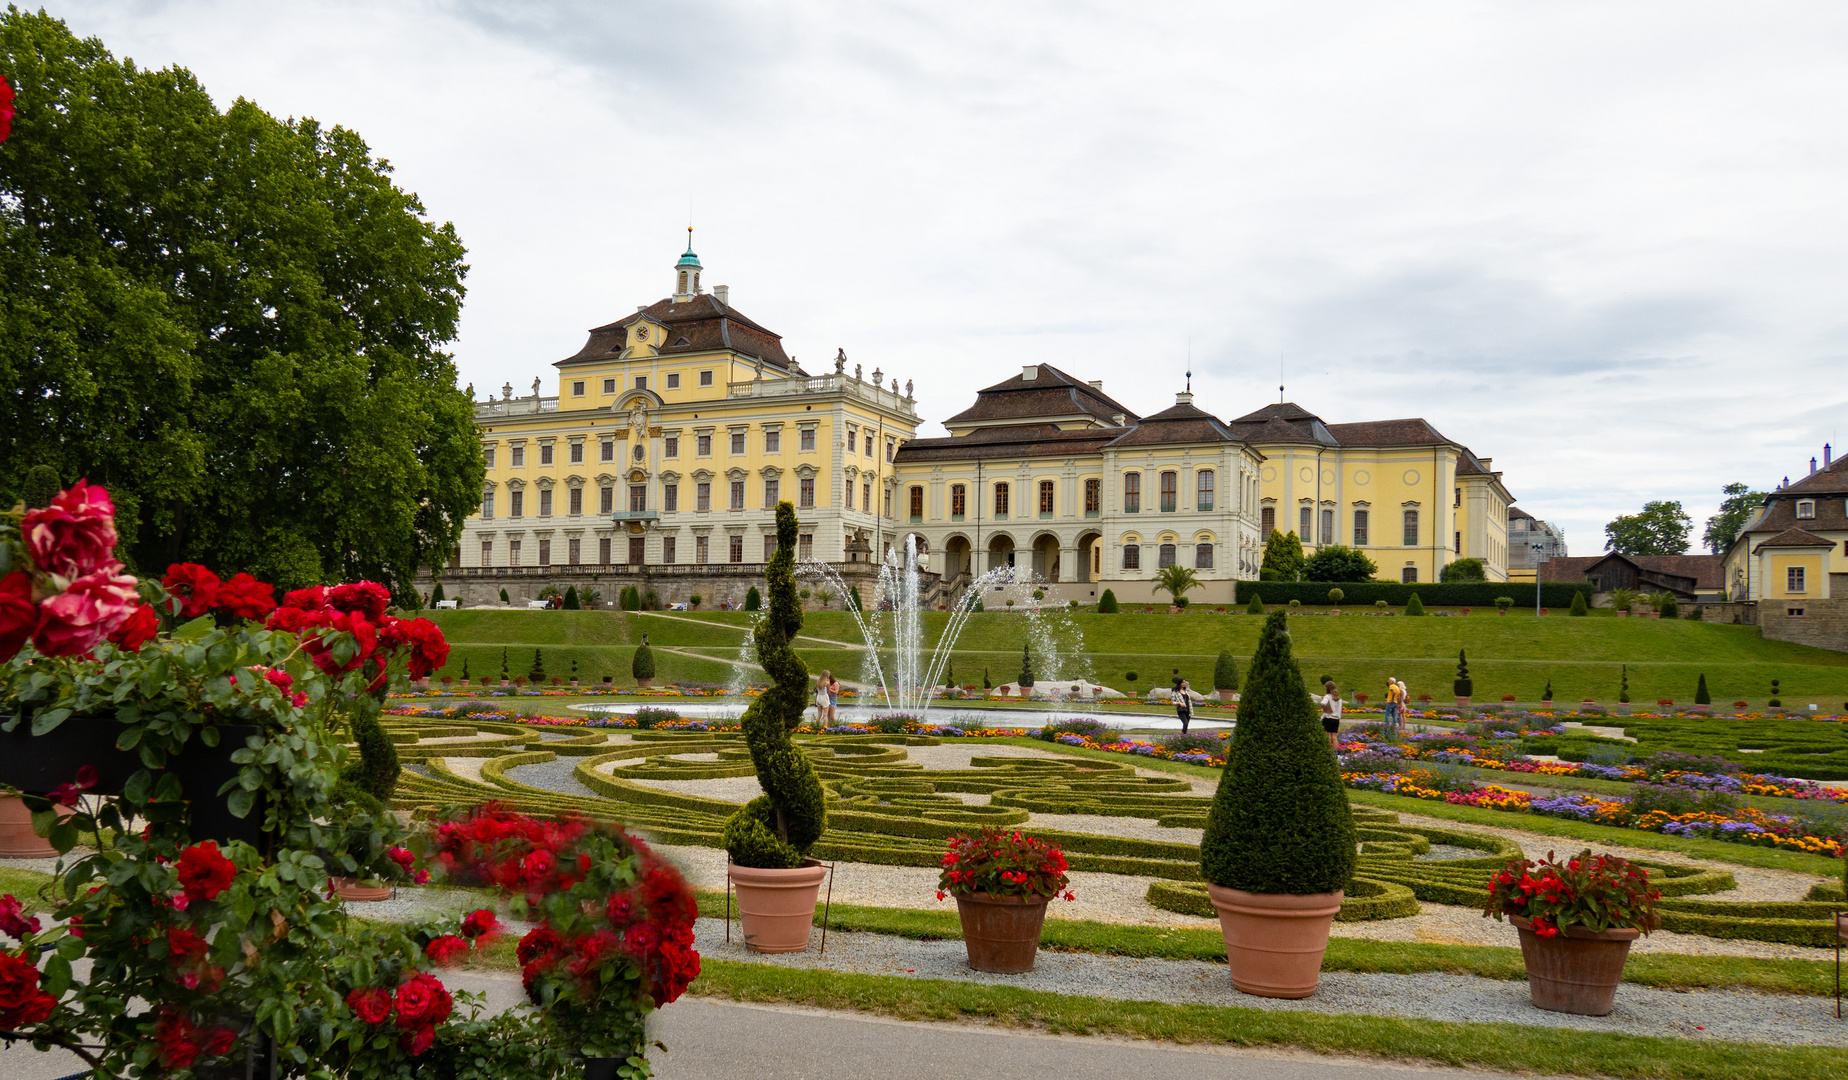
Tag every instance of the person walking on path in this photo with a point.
(1331, 713)
(1405, 704)
(1392, 706)
(1183, 704)
(834, 699)
(821, 700)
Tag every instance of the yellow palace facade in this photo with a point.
(670, 436)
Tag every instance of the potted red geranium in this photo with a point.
(1002, 882)
(1577, 919)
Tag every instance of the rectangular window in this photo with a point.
(1456, 542)
(1328, 526)
(869, 444)
(705, 379)
(573, 550)
(1793, 579)
(1411, 528)
(1459, 498)
(1164, 557)
(638, 498)
(668, 544)
(737, 494)
(1806, 508)
(769, 547)
(513, 553)
(1132, 557)
(805, 492)
(545, 551)
(888, 503)
(487, 504)
(1132, 493)
(545, 453)
(1170, 482)
(603, 550)
(577, 453)
(1360, 528)
(670, 446)
(1045, 498)
(805, 546)
(673, 380)
(487, 455)
(516, 503)
(917, 503)
(641, 382)
(606, 499)
(576, 498)
(609, 386)
(959, 501)
(577, 388)
(737, 442)
(700, 549)
(847, 491)
(487, 553)
(545, 502)
(670, 498)
(735, 549)
(1093, 497)
(891, 448)
(702, 496)
(773, 441)
(1409, 575)
(1304, 515)
(518, 458)
(1203, 490)
(638, 550)
(866, 495)
(807, 442)
(607, 450)
(771, 484)
(853, 438)
(1267, 521)
(702, 446)
(1203, 556)
(1000, 500)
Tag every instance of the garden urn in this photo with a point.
(1576, 970)
(1462, 703)
(1274, 941)
(777, 907)
(1001, 933)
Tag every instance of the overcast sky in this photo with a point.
(1600, 243)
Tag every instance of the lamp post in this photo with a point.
(1538, 548)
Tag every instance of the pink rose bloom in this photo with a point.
(75, 535)
(93, 607)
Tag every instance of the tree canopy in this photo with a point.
(232, 321)
(1338, 562)
(1283, 557)
(1661, 528)
(1464, 570)
(1735, 510)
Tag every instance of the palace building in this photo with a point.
(672, 434)
(1788, 569)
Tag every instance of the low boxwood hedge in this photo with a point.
(1472, 594)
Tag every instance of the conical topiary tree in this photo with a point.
(504, 599)
(1701, 697)
(1579, 606)
(571, 599)
(1414, 606)
(1256, 607)
(642, 665)
(1547, 694)
(775, 830)
(1463, 685)
(753, 600)
(436, 595)
(1225, 671)
(1280, 821)
(1107, 603)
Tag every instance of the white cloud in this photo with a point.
(1598, 242)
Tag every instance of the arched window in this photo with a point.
(1132, 557)
(1166, 557)
(1203, 556)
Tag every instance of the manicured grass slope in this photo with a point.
(1516, 654)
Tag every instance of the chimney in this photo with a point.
(1029, 372)
(1826, 455)
(1812, 466)
(723, 292)
(1097, 385)
(1119, 420)
(1183, 398)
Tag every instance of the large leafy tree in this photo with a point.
(1661, 528)
(1338, 562)
(232, 321)
(1735, 510)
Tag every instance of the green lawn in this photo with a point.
(1515, 654)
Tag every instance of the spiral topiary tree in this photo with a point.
(775, 830)
(1280, 821)
(1463, 685)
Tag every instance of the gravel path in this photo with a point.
(1721, 1015)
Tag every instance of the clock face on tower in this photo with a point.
(641, 333)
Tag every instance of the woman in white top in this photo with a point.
(821, 699)
(1331, 712)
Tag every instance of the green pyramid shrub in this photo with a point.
(571, 599)
(753, 600)
(1579, 606)
(504, 599)
(775, 830)
(1107, 603)
(642, 665)
(1414, 606)
(1280, 821)
(1256, 607)
(1225, 671)
(436, 594)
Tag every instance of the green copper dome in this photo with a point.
(690, 259)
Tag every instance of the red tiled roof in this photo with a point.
(1708, 571)
(1180, 424)
(1794, 538)
(702, 323)
(1012, 441)
(1052, 394)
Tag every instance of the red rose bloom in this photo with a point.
(246, 597)
(22, 1003)
(13, 921)
(621, 909)
(423, 1001)
(204, 873)
(416, 1042)
(428, 648)
(371, 1004)
(640, 938)
(85, 613)
(322, 635)
(281, 680)
(196, 587)
(402, 857)
(177, 1039)
(137, 630)
(479, 924)
(19, 616)
(75, 536)
(367, 598)
(537, 945)
(446, 950)
(219, 1042)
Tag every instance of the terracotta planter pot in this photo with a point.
(348, 889)
(1001, 932)
(777, 907)
(17, 840)
(1576, 971)
(644, 683)
(1462, 703)
(1274, 941)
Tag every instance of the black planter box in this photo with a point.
(36, 764)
